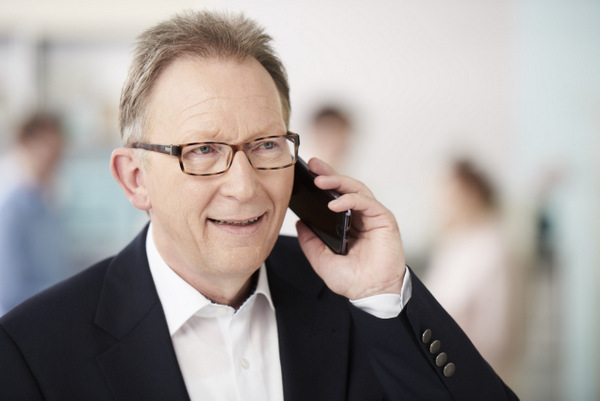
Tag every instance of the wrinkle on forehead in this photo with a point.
(209, 125)
(224, 99)
(204, 103)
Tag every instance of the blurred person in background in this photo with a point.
(31, 242)
(330, 133)
(469, 271)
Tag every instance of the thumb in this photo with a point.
(311, 245)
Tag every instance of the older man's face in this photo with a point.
(224, 224)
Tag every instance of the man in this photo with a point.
(207, 302)
(32, 254)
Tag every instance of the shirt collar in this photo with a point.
(180, 300)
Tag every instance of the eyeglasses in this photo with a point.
(212, 158)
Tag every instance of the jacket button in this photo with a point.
(441, 359)
(449, 369)
(426, 337)
(435, 346)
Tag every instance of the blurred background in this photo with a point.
(509, 88)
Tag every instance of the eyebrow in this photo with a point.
(220, 136)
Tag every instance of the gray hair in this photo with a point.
(198, 34)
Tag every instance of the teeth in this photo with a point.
(236, 223)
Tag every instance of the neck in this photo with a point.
(226, 283)
(232, 290)
(227, 295)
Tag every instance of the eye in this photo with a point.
(203, 150)
(269, 145)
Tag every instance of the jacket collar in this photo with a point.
(141, 364)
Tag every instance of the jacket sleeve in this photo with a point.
(16, 381)
(423, 354)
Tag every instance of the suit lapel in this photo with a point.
(141, 364)
(312, 328)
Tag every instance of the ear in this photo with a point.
(126, 168)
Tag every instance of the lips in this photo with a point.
(238, 223)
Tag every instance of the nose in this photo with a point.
(240, 181)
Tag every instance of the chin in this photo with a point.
(241, 258)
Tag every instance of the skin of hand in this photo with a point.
(375, 263)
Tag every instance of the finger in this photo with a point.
(343, 185)
(371, 214)
(328, 178)
(319, 167)
(369, 207)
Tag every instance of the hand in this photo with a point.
(375, 262)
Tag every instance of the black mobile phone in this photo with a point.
(309, 203)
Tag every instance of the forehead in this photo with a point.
(198, 99)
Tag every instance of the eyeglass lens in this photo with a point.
(265, 153)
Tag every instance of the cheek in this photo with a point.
(281, 189)
(177, 195)
(190, 202)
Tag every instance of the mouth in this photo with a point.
(236, 223)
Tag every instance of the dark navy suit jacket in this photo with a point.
(102, 335)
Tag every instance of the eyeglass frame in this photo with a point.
(177, 150)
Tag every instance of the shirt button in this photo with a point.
(244, 363)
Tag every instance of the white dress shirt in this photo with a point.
(232, 355)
